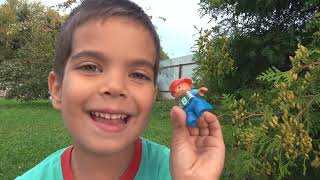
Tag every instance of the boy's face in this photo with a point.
(108, 88)
(181, 89)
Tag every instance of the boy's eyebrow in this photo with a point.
(86, 53)
(141, 62)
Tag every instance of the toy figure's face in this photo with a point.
(108, 88)
(181, 89)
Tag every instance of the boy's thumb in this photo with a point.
(178, 117)
(178, 120)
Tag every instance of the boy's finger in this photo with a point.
(194, 131)
(214, 125)
(178, 119)
(203, 127)
(202, 123)
(204, 131)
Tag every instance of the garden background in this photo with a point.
(261, 63)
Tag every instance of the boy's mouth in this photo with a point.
(114, 122)
(114, 118)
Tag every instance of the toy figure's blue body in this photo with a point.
(194, 106)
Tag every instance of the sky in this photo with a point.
(177, 32)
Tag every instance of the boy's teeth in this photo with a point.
(109, 116)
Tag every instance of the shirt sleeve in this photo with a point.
(195, 92)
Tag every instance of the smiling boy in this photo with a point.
(104, 83)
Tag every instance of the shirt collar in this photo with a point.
(129, 174)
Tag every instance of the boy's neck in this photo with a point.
(87, 165)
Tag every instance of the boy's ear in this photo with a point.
(55, 90)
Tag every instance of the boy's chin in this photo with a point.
(110, 147)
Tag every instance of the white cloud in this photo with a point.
(177, 33)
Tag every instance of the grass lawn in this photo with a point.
(30, 131)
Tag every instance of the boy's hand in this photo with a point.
(196, 153)
(202, 90)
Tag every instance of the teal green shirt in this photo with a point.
(154, 164)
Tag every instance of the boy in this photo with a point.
(103, 82)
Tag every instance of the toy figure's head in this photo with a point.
(180, 86)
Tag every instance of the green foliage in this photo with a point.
(261, 34)
(254, 53)
(163, 55)
(258, 16)
(274, 75)
(27, 44)
(215, 65)
(280, 134)
(311, 32)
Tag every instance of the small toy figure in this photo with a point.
(190, 101)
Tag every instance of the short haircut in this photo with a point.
(99, 9)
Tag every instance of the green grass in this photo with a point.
(30, 131)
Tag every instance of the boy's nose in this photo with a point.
(114, 88)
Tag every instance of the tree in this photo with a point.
(245, 16)
(260, 34)
(27, 43)
(277, 131)
(163, 55)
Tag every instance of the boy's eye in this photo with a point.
(140, 76)
(89, 68)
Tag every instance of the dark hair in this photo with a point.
(91, 9)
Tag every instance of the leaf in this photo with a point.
(274, 75)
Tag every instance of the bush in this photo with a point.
(215, 67)
(278, 131)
